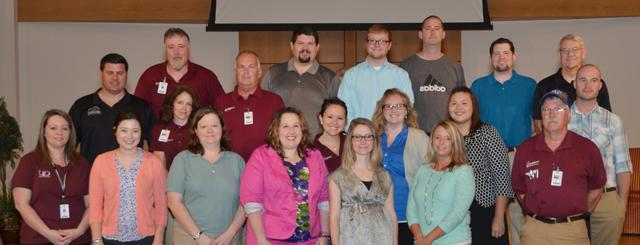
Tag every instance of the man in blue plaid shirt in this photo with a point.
(605, 129)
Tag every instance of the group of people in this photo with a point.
(423, 159)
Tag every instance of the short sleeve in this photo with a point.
(23, 176)
(177, 173)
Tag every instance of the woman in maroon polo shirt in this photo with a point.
(332, 116)
(50, 186)
(170, 135)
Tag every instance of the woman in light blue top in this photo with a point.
(442, 191)
(204, 184)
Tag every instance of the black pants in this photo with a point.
(481, 220)
(405, 237)
(144, 241)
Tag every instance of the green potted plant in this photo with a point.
(10, 151)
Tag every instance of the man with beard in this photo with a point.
(558, 177)
(572, 53)
(302, 82)
(93, 115)
(433, 74)
(504, 101)
(364, 84)
(162, 79)
(605, 129)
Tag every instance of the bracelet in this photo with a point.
(96, 241)
(325, 235)
(196, 236)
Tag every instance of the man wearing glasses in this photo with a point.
(558, 177)
(302, 82)
(571, 52)
(605, 130)
(433, 74)
(364, 84)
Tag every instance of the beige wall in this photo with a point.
(59, 62)
(8, 56)
(611, 43)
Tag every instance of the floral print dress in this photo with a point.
(299, 174)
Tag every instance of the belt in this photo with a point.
(511, 149)
(553, 220)
(610, 189)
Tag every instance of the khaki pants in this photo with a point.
(535, 232)
(608, 219)
(515, 214)
(180, 237)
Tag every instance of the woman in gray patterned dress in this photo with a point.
(361, 192)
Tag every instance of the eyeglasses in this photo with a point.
(368, 137)
(393, 107)
(377, 42)
(555, 109)
(570, 50)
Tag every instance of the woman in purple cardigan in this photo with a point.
(284, 186)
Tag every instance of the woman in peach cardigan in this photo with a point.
(127, 199)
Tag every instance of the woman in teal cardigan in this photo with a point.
(442, 191)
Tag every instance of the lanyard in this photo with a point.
(62, 181)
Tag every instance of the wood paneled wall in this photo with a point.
(339, 49)
(197, 11)
(632, 219)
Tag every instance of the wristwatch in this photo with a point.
(197, 235)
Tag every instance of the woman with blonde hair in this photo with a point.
(438, 208)
(361, 192)
(404, 148)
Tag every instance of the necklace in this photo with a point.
(432, 196)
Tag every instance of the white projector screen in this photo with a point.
(228, 15)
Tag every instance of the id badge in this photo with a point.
(164, 135)
(162, 87)
(556, 178)
(64, 211)
(248, 118)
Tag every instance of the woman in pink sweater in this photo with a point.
(284, 186)
(127, 200)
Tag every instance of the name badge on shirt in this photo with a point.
(164, 135)
(162, 87)
(64, 211)
(248, 118)
(556, 178)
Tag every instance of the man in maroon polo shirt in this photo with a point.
(162, 79)
(558, 177)
(247, 110)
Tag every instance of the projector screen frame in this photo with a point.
(214, 27)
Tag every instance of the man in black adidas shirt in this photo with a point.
(433, 75)
(93, 115)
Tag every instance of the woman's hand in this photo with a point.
(55, 236)
(263, 241)
(71, 234)
(497, 227)
(223, 239)
(204, 240)
(323, 240)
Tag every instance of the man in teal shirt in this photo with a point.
(504, 99)
(364, 84)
